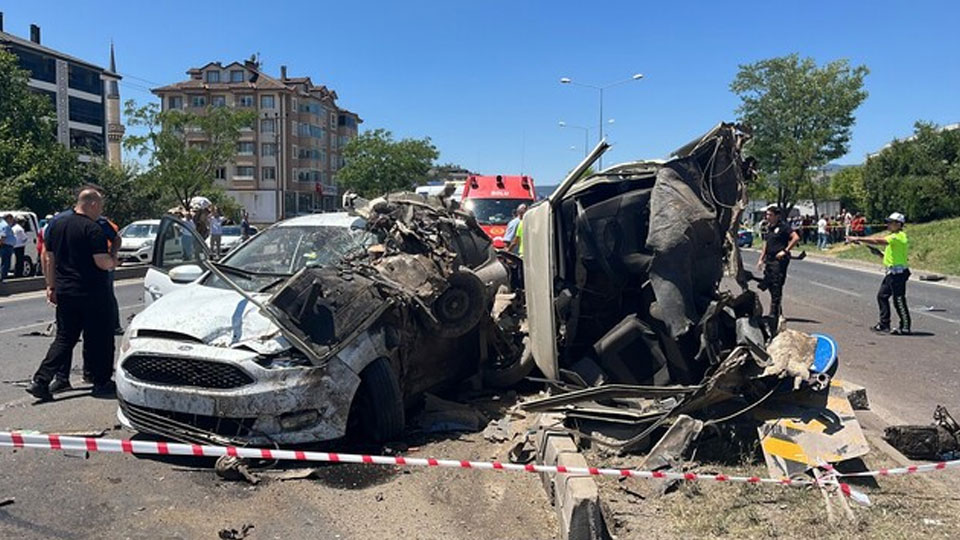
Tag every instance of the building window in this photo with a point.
(245, 148)
(198, 101)
(175, 102)
(85, 80)
(218, 101)
(41, 67)
(268, 149)
(305, 202)
(268, 173)
(220, 173)
(236, 75)
(267, 102)
(245, 101)
(333, 121)
(213, 76)
(86, 142)
(244, 172)
(88, 112)
(268, 125)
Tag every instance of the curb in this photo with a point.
(23, 285)
(576, 498)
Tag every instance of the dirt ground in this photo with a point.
(918, 506)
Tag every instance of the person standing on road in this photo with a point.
(19, 247)
(779, 239)
(245, 227)
(216, 231)
(512, 227)
(79, 260)
(822, 232)
(7, 241)
(896, 246)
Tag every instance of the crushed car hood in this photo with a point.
(213, 316)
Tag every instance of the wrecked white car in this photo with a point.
(319, 326)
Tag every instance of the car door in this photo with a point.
(176, 244)
(541, 258)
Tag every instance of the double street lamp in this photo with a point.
(600, 89)
(586, 132)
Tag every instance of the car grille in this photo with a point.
(187, 427)
(186, 372)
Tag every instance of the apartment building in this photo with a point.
(286, 164)
(86, 97)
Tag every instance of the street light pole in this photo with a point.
(586, 132)
(600, 89)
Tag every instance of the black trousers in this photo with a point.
(87, 315)
(894, 285)
(18, 257)
(774, 276)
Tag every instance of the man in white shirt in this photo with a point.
(822, 232)
(19, 247)
(216, 231)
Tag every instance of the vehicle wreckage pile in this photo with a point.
(637, 333)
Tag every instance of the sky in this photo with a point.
(481, 78)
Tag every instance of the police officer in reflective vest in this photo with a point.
(897, 273)
(778, 240)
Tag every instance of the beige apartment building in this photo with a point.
(286, 164)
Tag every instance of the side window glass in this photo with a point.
(177, 245)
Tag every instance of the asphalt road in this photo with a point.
(905, 376)
(122, 496)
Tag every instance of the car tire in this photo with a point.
(29, 269)
(509, 375)
(460, 308)
(377, 410)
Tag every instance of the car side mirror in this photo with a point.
(185, 273)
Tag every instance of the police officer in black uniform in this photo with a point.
(778, 240)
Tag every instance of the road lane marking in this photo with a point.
(836, 289)
(928, 314)
(23, 297)
(44, 323)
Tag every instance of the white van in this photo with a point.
(31, 263)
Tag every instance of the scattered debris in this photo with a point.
(498, 430)
(234, 469)
(937, 441)
(932, 277)
(6, 501)
(440, 415)
(234, 534)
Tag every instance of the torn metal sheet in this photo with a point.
(805, 429)
(669, 450)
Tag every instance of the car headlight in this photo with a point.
(287, 359)
(125, 341)
(147, 243)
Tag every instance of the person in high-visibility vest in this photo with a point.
(896, 247)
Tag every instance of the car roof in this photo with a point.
(326, 219)
(144, 222)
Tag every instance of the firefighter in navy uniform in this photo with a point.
(778, 240)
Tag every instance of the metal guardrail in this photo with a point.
(23, 285)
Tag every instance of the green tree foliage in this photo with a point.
(36, 172)
(376, 164)
(919, 177)
(847, 186)
(130, 195)
(801, 117)
(185, 149)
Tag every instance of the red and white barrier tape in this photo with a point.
(16, 439)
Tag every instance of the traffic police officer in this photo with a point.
(897, 273)
(778, 240)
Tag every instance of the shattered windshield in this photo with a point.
(493, 211)
(284, 251)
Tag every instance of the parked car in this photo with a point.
(138, 238)
(744, 238)
(31, 261)
(297, 334)
(231, 237)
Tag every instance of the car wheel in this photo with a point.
(29, 269)
(508, 374)
(376, 414)
(461, 306)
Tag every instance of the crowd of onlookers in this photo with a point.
(826, 229)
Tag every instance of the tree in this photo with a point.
(186, 149)
(36, 172)
(376, 164)
(919, 176)
(847, 185)
(800, 114)
(129, 193)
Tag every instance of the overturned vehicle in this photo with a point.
(318, 326)
(637, 330)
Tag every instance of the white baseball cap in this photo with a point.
(897, 216)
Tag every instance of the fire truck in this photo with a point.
(493, 200)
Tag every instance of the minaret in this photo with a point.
(114, 126)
